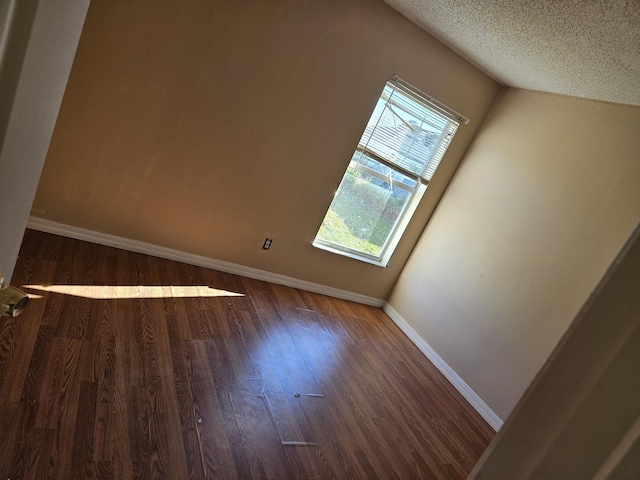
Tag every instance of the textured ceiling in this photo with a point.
(582, 48)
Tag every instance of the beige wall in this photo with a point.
(580, 418)
(542, 203)
(207, 126)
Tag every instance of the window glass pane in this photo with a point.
(363, 213)
(364, 159)
(398, 153)
(399, 177)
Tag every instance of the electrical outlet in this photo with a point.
(267, 243)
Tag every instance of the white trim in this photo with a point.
(42, 40)
(465, 390)
(191, 259)
(323, 244)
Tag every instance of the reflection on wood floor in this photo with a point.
(124, 367)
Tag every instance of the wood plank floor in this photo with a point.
(128, 366)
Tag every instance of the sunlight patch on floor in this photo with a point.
(134, 291)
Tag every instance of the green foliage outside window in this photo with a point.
(362, 214)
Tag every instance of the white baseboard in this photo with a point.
(465, 390)
(191, 259)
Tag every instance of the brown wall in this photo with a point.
(542, 203)
(206, 126)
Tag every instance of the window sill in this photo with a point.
(378, 263)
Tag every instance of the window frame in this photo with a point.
(454, 120)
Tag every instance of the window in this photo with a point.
(402, 145)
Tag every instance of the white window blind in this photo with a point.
(408, 132)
